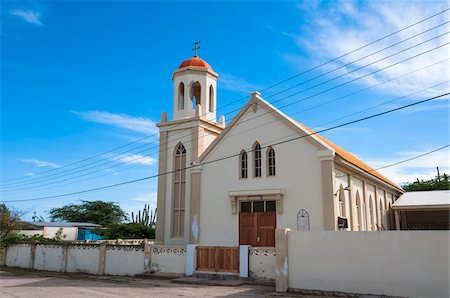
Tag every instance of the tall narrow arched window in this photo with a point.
(270, 162)
(179, 191)
(181, 96)
(342, 212)
(371, 217)
(257, 160)
(211, 99)
(196, 90)
(358, 213)
(243, 165)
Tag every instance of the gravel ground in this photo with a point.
(16, 283)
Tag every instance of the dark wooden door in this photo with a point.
(257, 229)
(266, 229)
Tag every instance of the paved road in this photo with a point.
(33, 286)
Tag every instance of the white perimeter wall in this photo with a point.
(124, 260)
(399, 263)
(83, 258)
(49, 257)
(262, 263)
(167, 259)
(18, 256)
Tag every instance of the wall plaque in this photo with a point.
(303, 220)
(342, 222)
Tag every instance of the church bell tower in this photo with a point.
(183, 139)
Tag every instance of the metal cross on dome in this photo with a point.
(196, 48)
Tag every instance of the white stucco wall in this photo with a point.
(168, 259)
(83, 258)
(18, 255)
(31, 232)
(262, 263)
(49, 257)
(298, 172)
(398, 263)
(70, 232)
(124, 260)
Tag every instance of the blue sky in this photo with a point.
(81, 78)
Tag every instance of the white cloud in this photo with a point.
(237, 84)
(138, 124)
(29, 16)
(40, 163)
(135, 159)
(421, 168)
(340, 27)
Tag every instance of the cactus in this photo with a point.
(147, 217)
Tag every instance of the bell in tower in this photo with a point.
(194, 89)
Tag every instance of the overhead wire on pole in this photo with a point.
(235, 154)
(295, 102)
(264, 89)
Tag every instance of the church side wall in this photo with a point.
(382, 198)
(298, 174)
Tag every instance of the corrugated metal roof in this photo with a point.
(435, 199)
(62, 224)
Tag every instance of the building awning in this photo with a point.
(423, 200)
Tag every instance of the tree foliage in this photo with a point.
(97, 212)
(9, 221)
(127, 231)
(440, 182)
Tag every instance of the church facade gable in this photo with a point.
(280, 180)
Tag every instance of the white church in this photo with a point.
(230, 185)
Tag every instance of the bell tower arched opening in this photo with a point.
(196, 91)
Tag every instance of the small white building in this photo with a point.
(71, 230)
(227, 185)
(423, 210)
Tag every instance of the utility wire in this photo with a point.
(226, 137)
(233, 155)
(295, 102)
(264, 89)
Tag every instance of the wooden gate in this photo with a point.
(218, 259)
(257, 229)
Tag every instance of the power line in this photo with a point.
(18, 188)
(412, 158)
(233, 155)
(264, 89)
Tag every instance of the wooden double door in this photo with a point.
(257, 228)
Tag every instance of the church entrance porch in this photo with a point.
(257, 223)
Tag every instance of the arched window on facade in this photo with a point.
(243, 165)
(257, 160)
(270, 162)
(196, 91)
(181, 96)
(211, 99)
(371, 217)
(358, 213)
(341, 202)
(179, 191)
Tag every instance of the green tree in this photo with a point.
(9, 221)
(440, 182)
(98, 212)
(127, 231)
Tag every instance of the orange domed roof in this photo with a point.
(195, 62)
